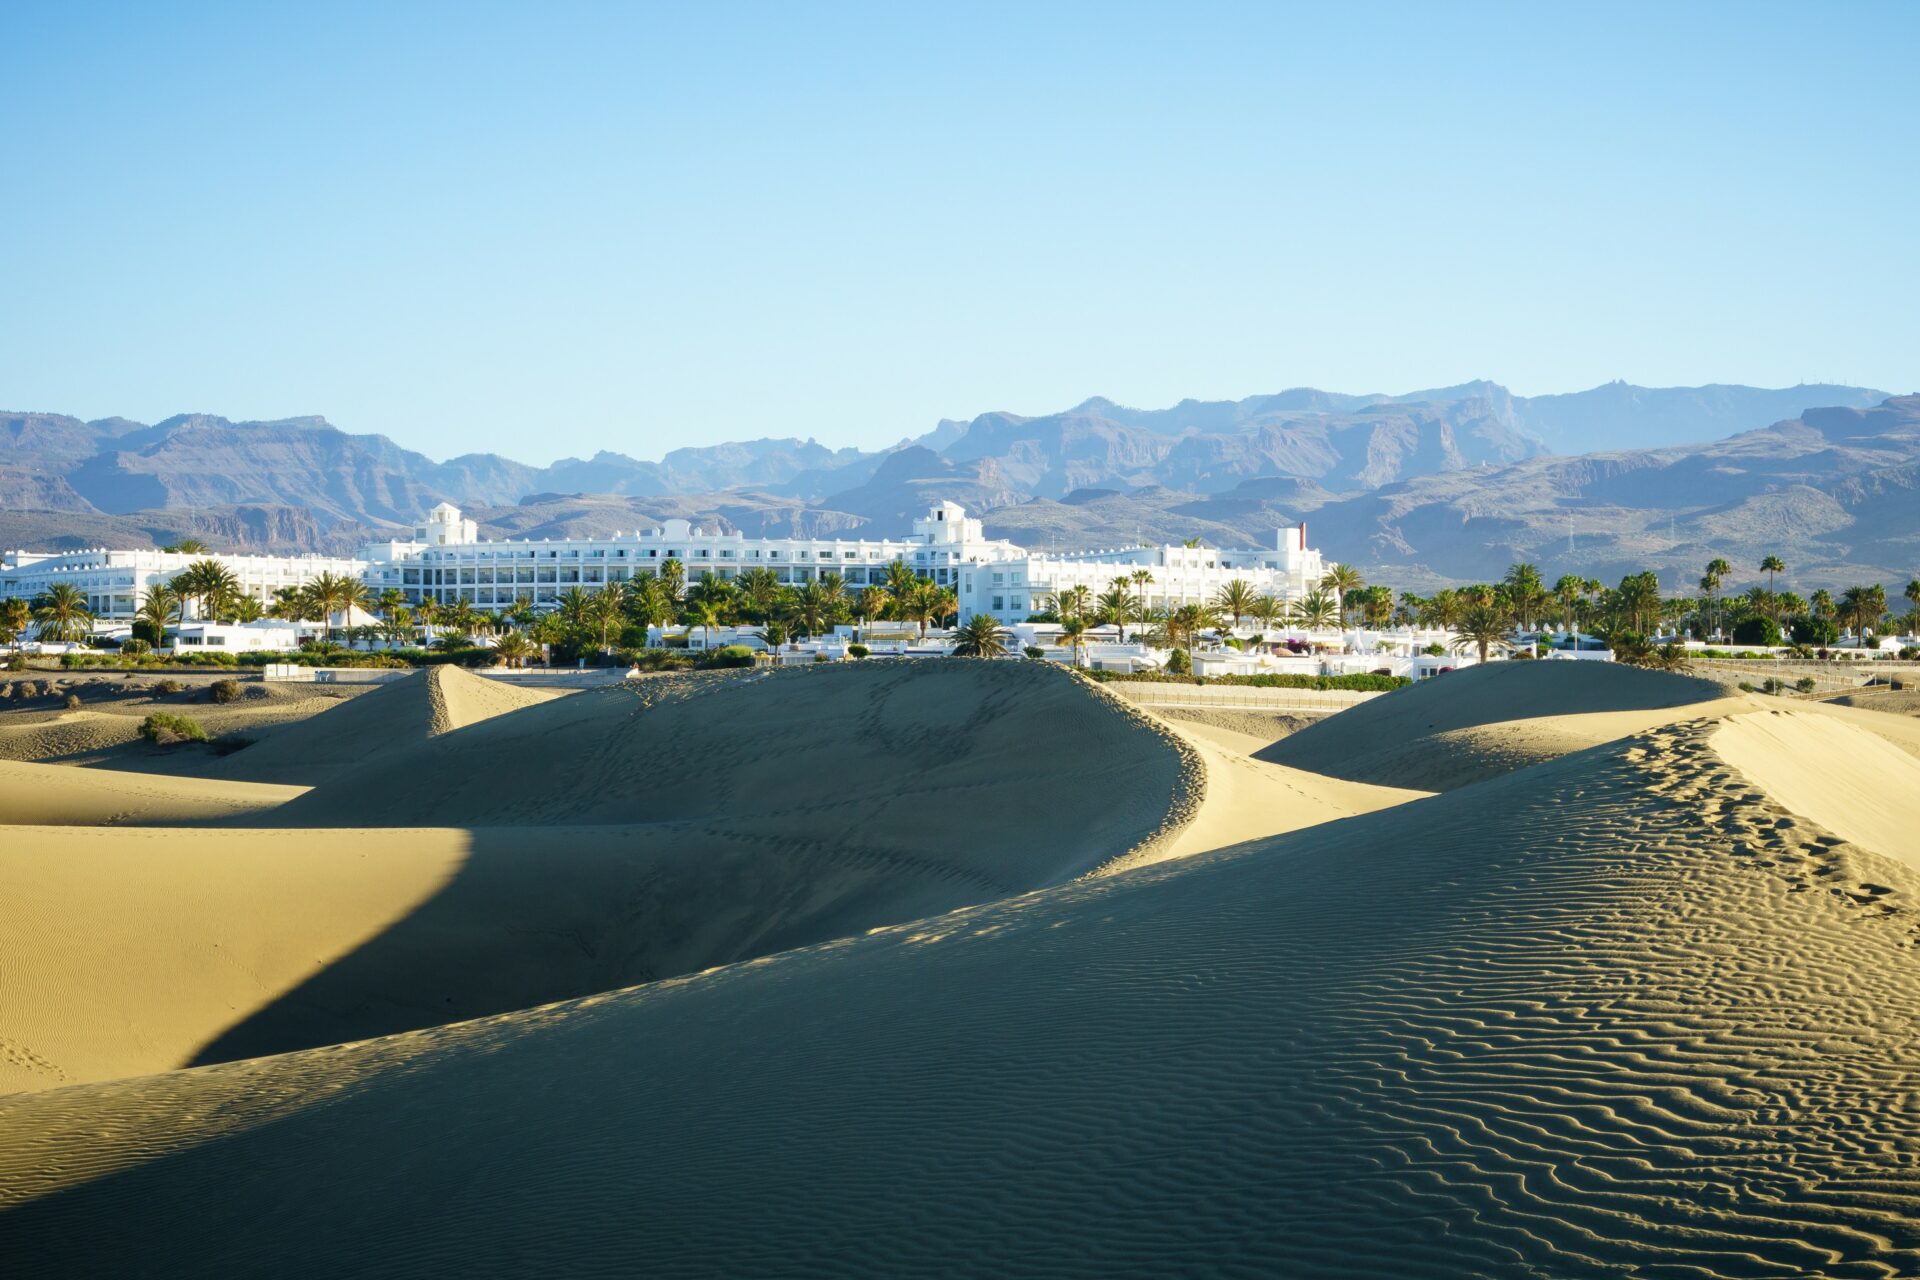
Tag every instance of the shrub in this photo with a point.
(17, 662)
(223, 691)
(858, 651)
(73, 702)
(166, 687)
(1179, 664)
(1435, 651)
(1746, 687)
(1756, 631)
(135, 648)
(821, 657)
(163, 728)
(656, 659)
(1804, 684)
(26, 689)
(733, 655)
(1034, 651)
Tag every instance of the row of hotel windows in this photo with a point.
(591, 576)
(697, 553)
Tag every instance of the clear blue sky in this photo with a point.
(544, 230)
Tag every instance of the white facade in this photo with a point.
(447, 562)
(116, 582)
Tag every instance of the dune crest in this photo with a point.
(1481, 722)
(366, 729)
(50, 795)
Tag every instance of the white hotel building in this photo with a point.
(447, 562)
(116, 582)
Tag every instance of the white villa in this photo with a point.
(447, 561)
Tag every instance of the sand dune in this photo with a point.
(759, 815)
(1858, 786)
(365, 730)
(48, 795)
(1481, 722)
(1619, 1013)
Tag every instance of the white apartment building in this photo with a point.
(446, 561)
(116, 582)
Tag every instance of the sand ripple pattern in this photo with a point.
(1614, 1015)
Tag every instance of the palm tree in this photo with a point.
(16, 615)
(1772, 566)
(1717, 570)
(873, 604)
(980, 637)
(706, 616)
(760, 590)
(1822, 603)
(1482, 627)
(1180, 627)
(606, 610)
(673, 578)
(187, 547)
(1070, 603)
(244, 608)
(1525, 593)
(393, 598)
(209, 584)
(810, 610)
(575, 609)
(158, 611)
(1315, 611)
(1568, 593)
(1119, 606)
(900, 580)
(1913, 599)
(647, 603)
(1266, 610)
(1142, 579)
(1235, 599)
(1863, 607)
(1637, 600)
(397, 625)
(1073, 633)
(514, 648)
(336, 593)
(62, 614)
(1340, 579)
(922, 603)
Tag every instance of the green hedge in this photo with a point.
(1354, 683)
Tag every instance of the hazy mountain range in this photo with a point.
(1446, 484)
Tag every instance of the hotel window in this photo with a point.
(1017, 604)
(773, 555)
(999, 603)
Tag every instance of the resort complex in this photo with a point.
(447, 562)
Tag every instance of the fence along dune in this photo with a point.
(618, 843)
(1607, 1015)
